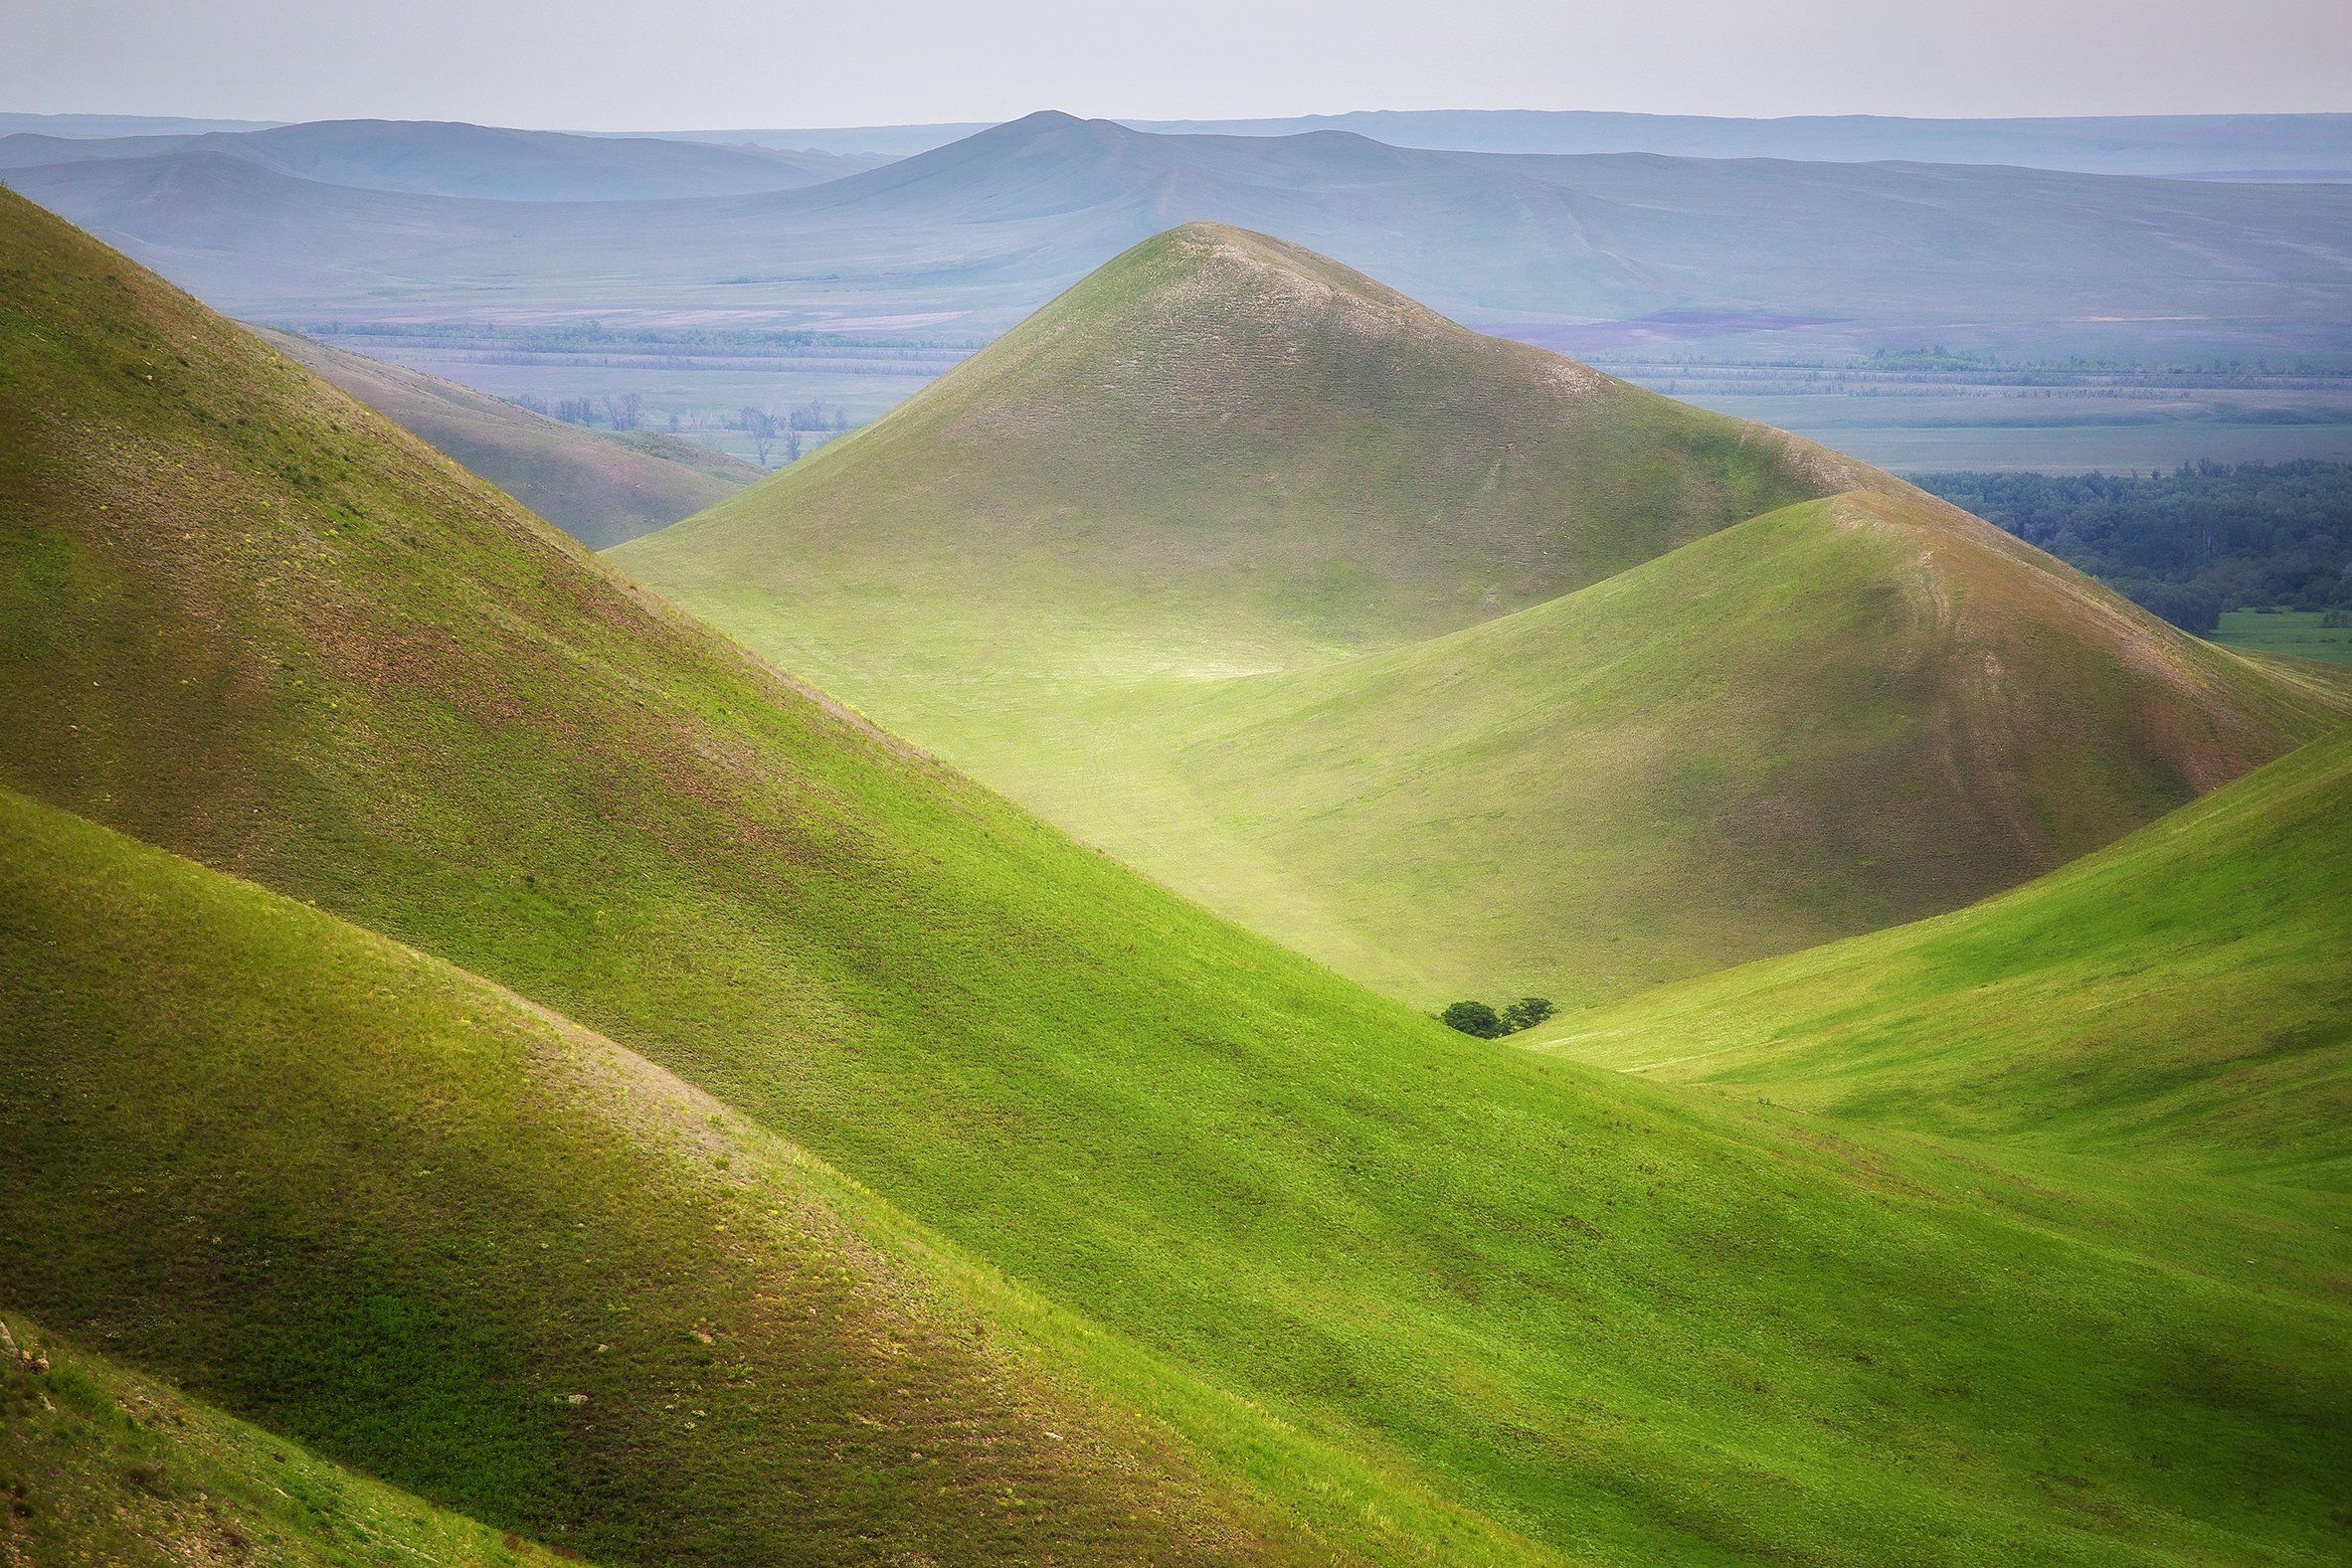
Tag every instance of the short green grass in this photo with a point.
(100, 1465)
(2183, 999)
(2299, 632)
(1409, 1294)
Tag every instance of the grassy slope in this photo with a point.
(382, 1206)
(2182, 998)
(102, 1464)
(1822, 721)
(1105, 566)
(600, 487)
(1481, 1305)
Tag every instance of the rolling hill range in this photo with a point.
(2180, 998)
(441, 158)
(1441, 658)
(990, 227)
(599, 486)
(1342, 1282)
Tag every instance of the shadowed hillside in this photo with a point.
(600, 487)
(1407, 1293)
(392, 1211)
(102, 1464)
(1117, 564)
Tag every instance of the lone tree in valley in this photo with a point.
(1479, 1019)
(1528, 1012)
(760, 425)
(1473, 1019)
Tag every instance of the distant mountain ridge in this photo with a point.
(990, 227)
(446, 158)
(2181, 146)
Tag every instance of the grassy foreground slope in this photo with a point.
(2184, 998)
(1827, 720)
(1425, 1296)
(1111, 565)
(458, 1242)
(102, 1464)
(598, 486)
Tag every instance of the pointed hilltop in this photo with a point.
(1455, 663)
(1220, 433)
(1325, 1278)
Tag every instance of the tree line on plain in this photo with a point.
(2188, 545)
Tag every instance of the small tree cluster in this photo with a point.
(1477, 1018)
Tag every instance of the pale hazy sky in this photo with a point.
(712, 64)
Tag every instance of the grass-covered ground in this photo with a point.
(100, 1464)
(385, 1208)
(1375, 1283)
(2181, 999)
(1452, 663)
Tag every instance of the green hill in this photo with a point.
(598, 486)
(1220, 442)
(2181, 998)
(1441, 658)
(1399, 1293)
(102, 1464)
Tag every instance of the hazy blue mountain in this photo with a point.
(2199, 147)
(899, 141)
(444, 158)
(2194, 146)
(122, 124)
(985, 228)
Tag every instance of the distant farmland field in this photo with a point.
(1910, 419)
(2296, 631)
